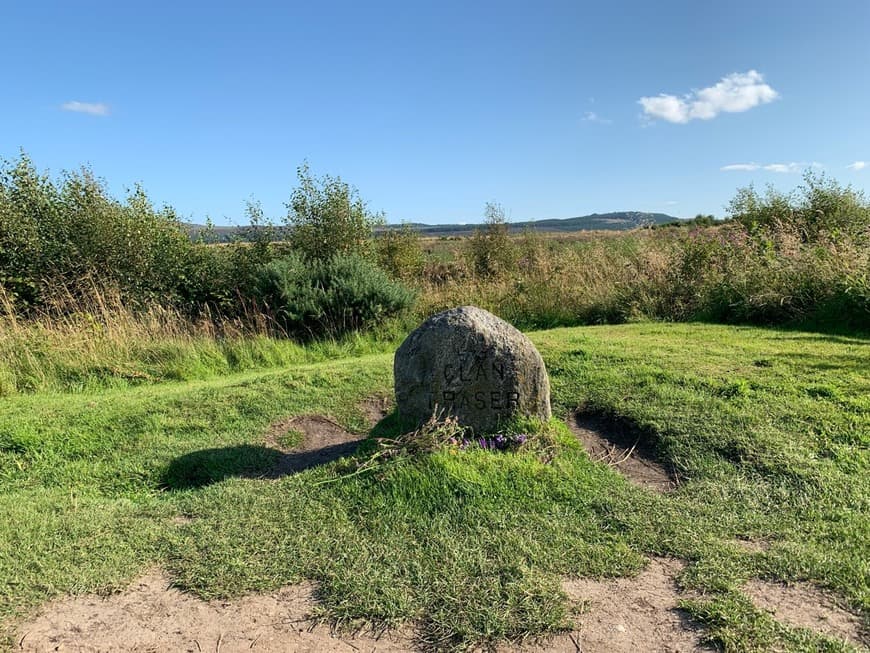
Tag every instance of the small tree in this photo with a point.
(400, 253)
(490, 249)
(327, 217)
(819, 207)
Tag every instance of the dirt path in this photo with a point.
(803, 605)
(635, 614)
(619, 615)
(152, 616)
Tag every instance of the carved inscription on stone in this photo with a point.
(469, 364)
(463, 376)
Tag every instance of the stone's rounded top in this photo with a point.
(467, 363)
(471, 316)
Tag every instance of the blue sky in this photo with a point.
(431, 109)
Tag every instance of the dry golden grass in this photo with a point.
(90, 340)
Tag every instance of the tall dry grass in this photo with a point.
(90, 339)
(720, 273)
(93, 340)
(558, 283)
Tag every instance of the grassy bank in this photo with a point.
(104, 343)
(767, 429)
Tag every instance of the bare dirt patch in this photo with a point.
(623, 448)
(376, 408)
(323, 441)
(805, 606)
(153, 616)
(751, 545)
(638, 614)
(633, 614)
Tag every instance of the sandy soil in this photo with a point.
(622, 449)
(323, 439)
(635, 614)
(153, 616)
(805, 606)
(618, 615)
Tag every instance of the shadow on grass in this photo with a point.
(622, 444)
(206, 466)
(200, 468)
(390, 426)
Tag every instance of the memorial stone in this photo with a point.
(469, 364)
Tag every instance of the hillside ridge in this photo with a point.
(613, 221)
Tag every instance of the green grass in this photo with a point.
(768, 429)
(40, 358)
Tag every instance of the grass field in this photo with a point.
(768, 431)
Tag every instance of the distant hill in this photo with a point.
(616, 221)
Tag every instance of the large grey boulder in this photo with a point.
(470, 364)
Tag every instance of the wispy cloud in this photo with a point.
(858, 165)
(91, 108)
(672, 202)
(732, 94)
(740, 166)
(591, 116)
(784, 167)
(792, 166)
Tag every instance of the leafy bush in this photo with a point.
(327, 217)
(820, 208)
(490, 250)
(221, 277)
(334, 296)
(399, 252)
(59, 233)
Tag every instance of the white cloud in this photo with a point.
(92, 108)
(591, 116)
(792, 166)
(732, 94)
(672, 202)
(666, 107)
(858, 165)
(784, 167)
(740, 166)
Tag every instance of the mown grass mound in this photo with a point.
(766, 432)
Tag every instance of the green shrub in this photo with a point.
(399, 252)
(327, 217)
(490, 251)
(344, 293)
(59, 234)
(224, 275)
(819, 208)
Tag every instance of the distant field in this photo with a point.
(615, 221)
(450, 248)
(765, 433)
